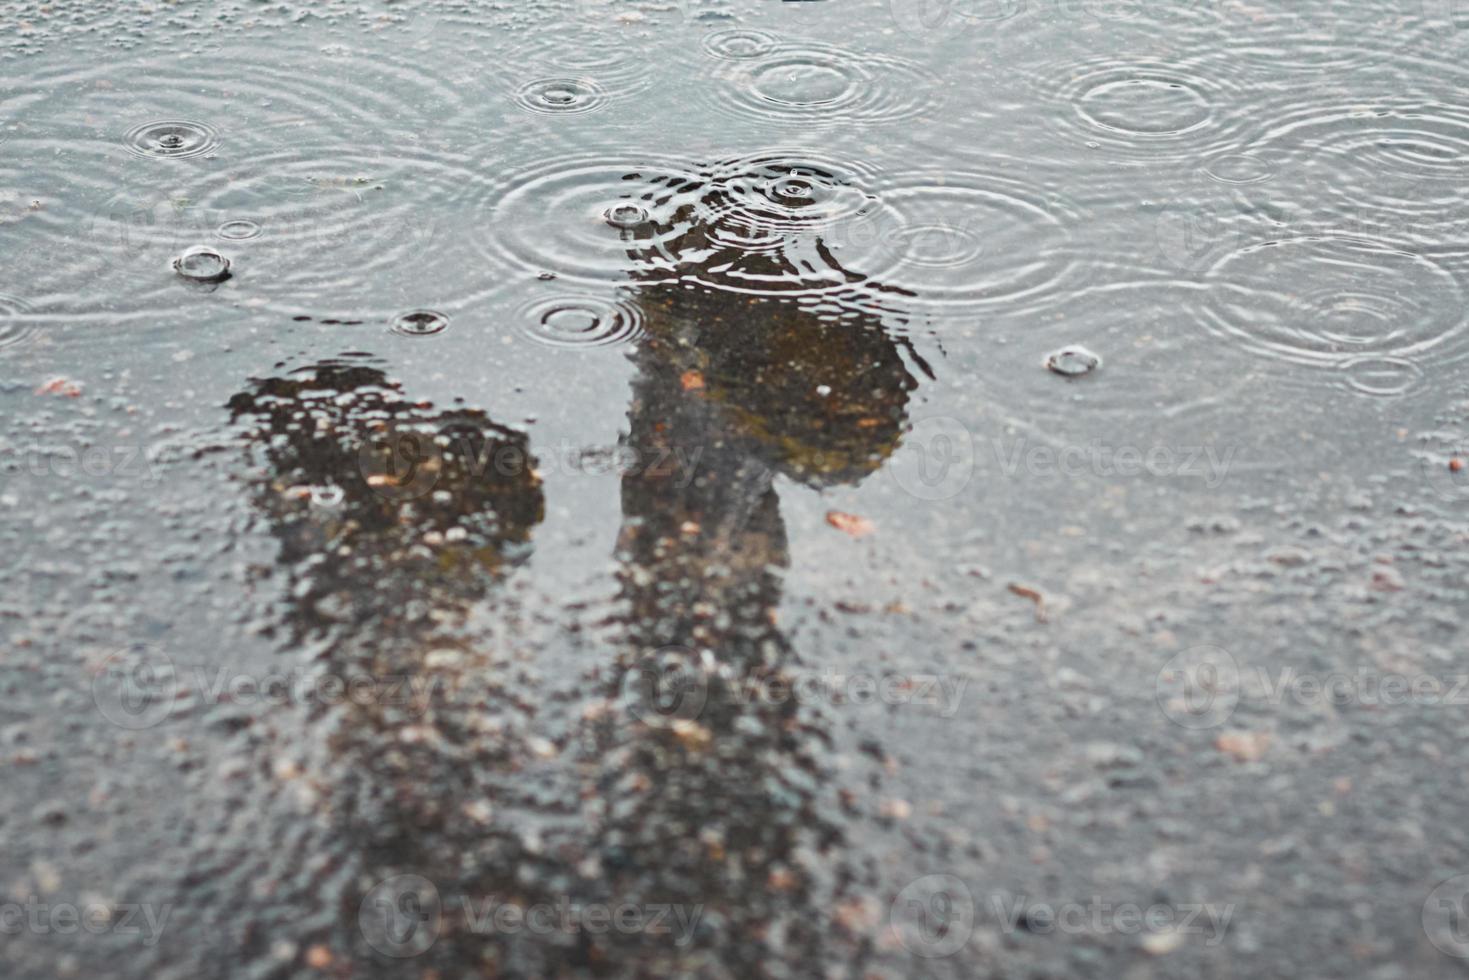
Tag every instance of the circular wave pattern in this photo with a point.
(785, 192)
(588, 219)
(818, 85)
(965, 240)
(231, 104)
(738, 44)
(1328, 35)
(619, 64)
(581, 321)
(239, 230)
(1390, 170)
(14, 331)
(1144, 334)
(1333, 301)
(765, 225)
(175, 139)
(1146, 107)
(561, 95)
(1382, 376)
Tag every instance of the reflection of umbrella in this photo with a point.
(821, 390)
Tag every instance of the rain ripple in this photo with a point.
(1146, 107)
(172, 139)
(810, 84)
(558, 95)
(1335, 302)
(581, 321)
(14, 331)
(554, 216)
(1389, 169)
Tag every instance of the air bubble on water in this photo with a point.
(1073, 362)
(626, 216)
(202, 264)
(420, 323)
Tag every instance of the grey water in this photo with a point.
(734, 488)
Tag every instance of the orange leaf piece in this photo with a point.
(692, 381)
(851, 524)
(61, 386)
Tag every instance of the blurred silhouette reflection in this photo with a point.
(721, 791)
(683, 782)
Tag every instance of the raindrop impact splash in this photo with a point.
(240, 230)
(1332, 300)
(420, 323)
(171, 139)
(582, 321)
(561, 95)
(13, 330)
(739, 45)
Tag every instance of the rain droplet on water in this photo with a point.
(238, 230)
(626, 216)
(420, 323)
(1073, 362)
(202, 264)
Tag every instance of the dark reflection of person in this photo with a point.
(719, 794)
(722, 802)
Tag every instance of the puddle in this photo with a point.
(717, 490)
